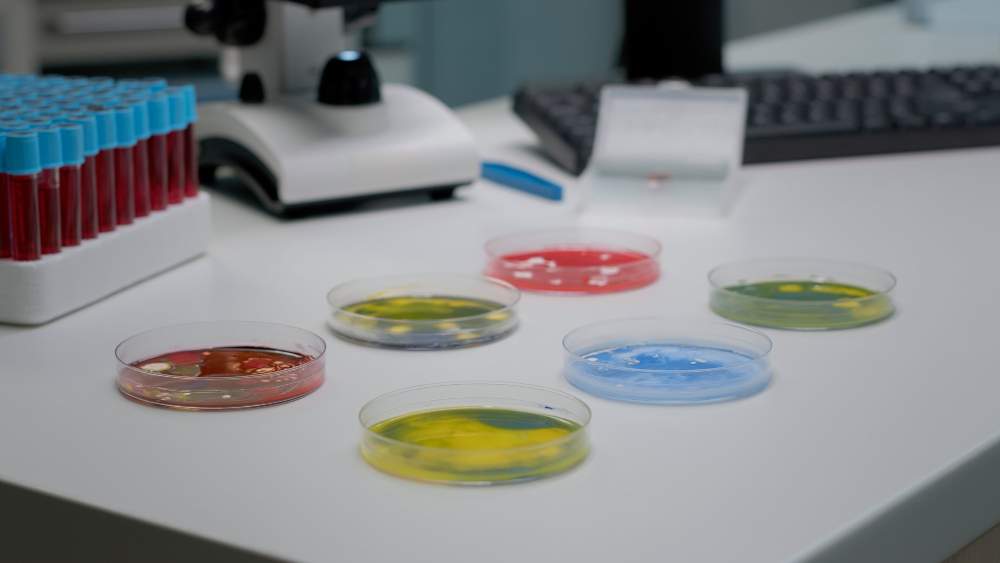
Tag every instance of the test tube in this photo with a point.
(49, 220)
(5, 242)
(71, 135)
(88, 175)
(107, 219)
(191, 182)
(124, 176)
(176, 169)
(159, 128)
(22, 164)
(140, 156)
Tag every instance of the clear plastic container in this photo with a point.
(424, 311)
(220, 365)
(574, 260)
(801, 293)
(475, 433)
(659, 361)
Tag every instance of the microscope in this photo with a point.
(314, 129)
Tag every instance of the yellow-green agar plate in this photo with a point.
(801, 294)
(475, 433)
(424, 312)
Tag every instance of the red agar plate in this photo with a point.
(574, 260)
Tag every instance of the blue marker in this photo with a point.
(522, 180)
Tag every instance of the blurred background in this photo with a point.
(459, 50)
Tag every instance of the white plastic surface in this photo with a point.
(408, 141)
(39, 291)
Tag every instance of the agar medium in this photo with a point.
(801, 294)
(423, 312)
(475, 433)
(220, 365)
(658, 361)
(575, 260)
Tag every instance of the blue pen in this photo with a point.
(523, 180)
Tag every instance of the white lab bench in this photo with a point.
(873, 444)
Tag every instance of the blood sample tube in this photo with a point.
(5, 242)
(71, 135)
(191, 182)
(124, 191)
(107, 220)
(140, 156)
(176, 170)
(22, 164)
(159, 128)
(88, 175)
(49, 220)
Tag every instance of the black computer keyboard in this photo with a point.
(797, 116)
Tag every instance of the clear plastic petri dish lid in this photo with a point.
(475, 433)
(661, 361)
(574, 260)
(423, 311)
(801, 293)
(220, 365)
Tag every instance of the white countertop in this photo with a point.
(855, 423)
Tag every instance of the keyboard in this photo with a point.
(795, 116)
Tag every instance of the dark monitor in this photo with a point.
(666, 39)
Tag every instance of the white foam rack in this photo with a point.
(36, 292)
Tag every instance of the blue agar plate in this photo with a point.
(659, 361)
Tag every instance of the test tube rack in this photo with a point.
(36, 292)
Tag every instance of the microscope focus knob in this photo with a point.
(349, 79)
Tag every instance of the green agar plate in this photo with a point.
(475, 433)
(801, 294)
(424, 312)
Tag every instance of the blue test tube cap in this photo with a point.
(124, 126)
(71, 137)
(50, 147)
(159, 115)
(21, 153)
(140, 117)
(106, 138)
(178, 108)
(191, 102)
(89, 124)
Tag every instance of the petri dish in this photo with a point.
(220, 365)
(657, 361)
(475, 433)
(424, 311)
(575, 261)
(801, 293)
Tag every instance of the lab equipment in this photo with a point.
(220, 365)
(801, 293)
(513, 177)
(795, 116)
(662, 361)
(574, 260)
(313, 127)
(475, 433)
(424, 311)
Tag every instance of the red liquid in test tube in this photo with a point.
(49, 221)
(175, 167)
(5, 242)
(190, 162)
(140, 177)
(157, 146)
(88, 198)
(124, 192)
(107, 220)
(26, 236)
(69, 204)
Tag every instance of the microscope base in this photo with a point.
(300, 157)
